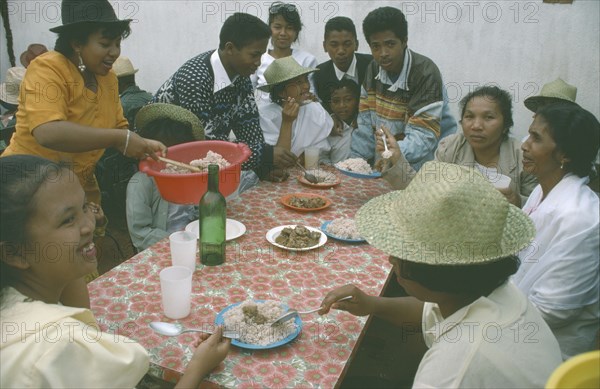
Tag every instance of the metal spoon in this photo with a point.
(309, 177)
(293, 313)
(387, 153)
(171, 329)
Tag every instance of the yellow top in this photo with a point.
(53, 90)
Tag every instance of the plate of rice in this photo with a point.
(326, 179)
(252, 320)
(357, 168)
(342, 229)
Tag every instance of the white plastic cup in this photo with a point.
(499, 181)
(311, 157)
(184, 246)
(176, 289)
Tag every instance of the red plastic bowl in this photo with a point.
(188, 188)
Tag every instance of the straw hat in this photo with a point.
(556, 91)
(9, 89)
(151, 112)
(123, 67)
(33, 50)
(282, 70)
(75, 12)
(448, 215)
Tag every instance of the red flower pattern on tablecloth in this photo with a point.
(250, 385)
(276, 380)
(255, 269)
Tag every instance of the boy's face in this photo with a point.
(340, 45)
(246, 60)
(388, 51)
(344, 104)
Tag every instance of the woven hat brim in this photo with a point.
(151, 112)
(269, 87)
(6, 96)
(376, 223)
(67, 26)
(533, 103)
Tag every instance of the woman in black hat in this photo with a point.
(69, 107)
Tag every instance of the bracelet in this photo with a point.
(127, 142)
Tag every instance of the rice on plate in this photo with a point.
(252, 320)
(344, 228)
(357, 165)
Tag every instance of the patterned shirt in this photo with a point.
(414, 105)
(227, 109)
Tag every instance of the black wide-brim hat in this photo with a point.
(74, 12)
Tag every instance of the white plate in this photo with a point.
(234, 229)
(273, 233)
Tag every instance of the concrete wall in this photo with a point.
(519, 45)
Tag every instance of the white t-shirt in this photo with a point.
(310, 129)
(559, 271)
(499, 341)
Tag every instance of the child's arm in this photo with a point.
(289, 113)
(209, 353)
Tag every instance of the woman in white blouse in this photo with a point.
(559, 271)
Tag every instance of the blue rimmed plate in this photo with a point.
(324, 229)
(220, 320)
(359, 175)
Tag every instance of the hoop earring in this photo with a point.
(81, 66)
(562, 166)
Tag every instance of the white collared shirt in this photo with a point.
(402, 81)
(488, 343)
(222, 79)
(351, 73)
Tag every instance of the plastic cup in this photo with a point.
(499, 181)
(176, 289)
(311, 157)
(184, 246)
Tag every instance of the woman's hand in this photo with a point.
(141, 148)
(391, 142)
(511, 196)
(359, 305)
(290, 109)
(211, 349)
(277, 175)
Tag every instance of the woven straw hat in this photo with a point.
(74, 12)
(448, 215)
(556, 91)
(282, 70)
(151, 112)
(9, 89)
(123, 67)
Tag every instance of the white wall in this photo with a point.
(520, 45)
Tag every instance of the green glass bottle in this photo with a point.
(212, 223)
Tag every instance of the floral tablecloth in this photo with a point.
(128, 297)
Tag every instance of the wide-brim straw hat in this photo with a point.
(557, 91)
(151, 112)
(448, 215)
(123, 67)
(282, 70)
(33, 50)
(74, 12)
(9, 89)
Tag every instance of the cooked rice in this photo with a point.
(211, 158)
(357, 165)
(259, 334)
(344, 228)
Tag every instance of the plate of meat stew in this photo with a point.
(305, 202)
(296, 237)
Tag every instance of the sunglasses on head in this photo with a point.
(277, 7)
